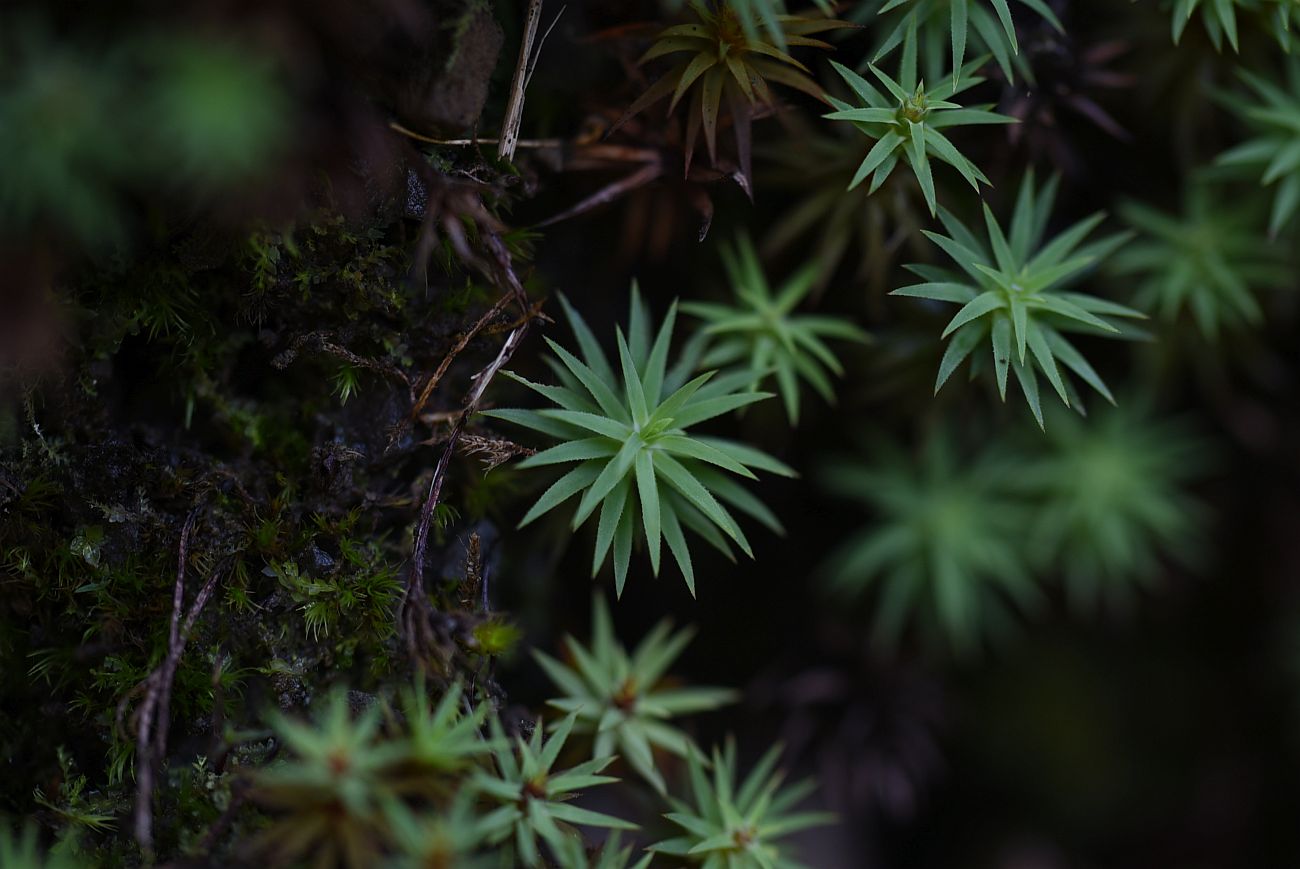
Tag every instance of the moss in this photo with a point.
(260, 382)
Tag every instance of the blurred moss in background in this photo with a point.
(87, 130)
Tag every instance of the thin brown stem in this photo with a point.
(464, 143)
(461, 343)
(415, 605)
(153, 716)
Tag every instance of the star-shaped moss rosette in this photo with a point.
(1275, 119)
(732, 824)
(534, 800)
(621, 700)
(726, 69)
(943, 551)
(763, 335)
(440, 741)
(1209, 261)
(1113, 499)
(331, 789)
(636, 458)
(1014, 291)
(452, 837)
(907, 123)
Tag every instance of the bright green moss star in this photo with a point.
(637, 461)
(1014, 291)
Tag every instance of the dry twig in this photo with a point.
(154, 714)
(416, 613)
(518, 84)
(461, 343)
(322, 341)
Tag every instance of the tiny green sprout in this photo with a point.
(763, 335)
(534, 800)
(347, 382)
(916, 107)
(78, 808)
(621, 700)
(1275, 119)
(636, 461)
(907, 125)
(1012, 291)
(738, 825)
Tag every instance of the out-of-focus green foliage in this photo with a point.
(452, 837)
(1111, 496)
(82, 131)
(1281, 15)
(986, 24)
(763, 335)
(769, 15)
(1219, 17)
(216, 109)
(438, 742)
(332, 790)
(830, 226)
(1209, 261)
(341, 792)
(21, 850)
(1014, 291)
(624, 701)
(738, 824)
(629, 430)
(612, 855)
(1275, 121)
(1226, 18)
(943, 548)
